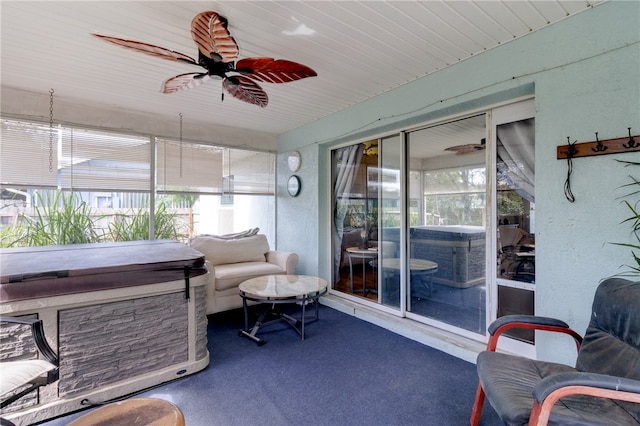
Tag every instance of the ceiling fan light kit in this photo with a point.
(217, 54)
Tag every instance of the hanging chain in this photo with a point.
(180, 144)
(51, 131)
(71, 174)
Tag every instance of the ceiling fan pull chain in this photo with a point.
(51, 131)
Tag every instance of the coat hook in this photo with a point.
(599, 146)
(632, 143)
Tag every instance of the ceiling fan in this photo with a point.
(470, 148)
(217, 53)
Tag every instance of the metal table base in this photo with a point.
(271, 310)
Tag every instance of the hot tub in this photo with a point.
(458, 250)
(122, 316)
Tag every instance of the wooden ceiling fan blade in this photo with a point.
(245, 90)
(273, 70)
(217, 53)
(209, 32)
(148, 49)
(184, 82)
(470, 148)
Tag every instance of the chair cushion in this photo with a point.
(613, 334)
(508, 382)
(220, 252)
(16, 374)
(231, 275)
(614, 331)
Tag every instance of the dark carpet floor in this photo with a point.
(345, 372)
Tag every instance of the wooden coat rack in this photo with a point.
(587, 149)
(598, 147)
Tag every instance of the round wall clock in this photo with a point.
(294, 161)
(293, 186)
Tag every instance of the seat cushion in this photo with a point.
(508, 382)
(221, 252)
(231, 275)
(16, 374)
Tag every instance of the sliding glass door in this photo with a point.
(514, 209)
(426, 221)
(447, 223)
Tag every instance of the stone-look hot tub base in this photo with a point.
(114, 341)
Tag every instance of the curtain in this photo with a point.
(346, 163)
(516, 155)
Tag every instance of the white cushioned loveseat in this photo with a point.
(232, 261)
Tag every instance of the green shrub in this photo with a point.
(134, 225)
(632, 201)
(60, 218)
(63, 218)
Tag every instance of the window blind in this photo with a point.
(95, 160)
(25, 155)
(188, 167)
(253, 172)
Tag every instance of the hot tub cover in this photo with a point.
(33, 272)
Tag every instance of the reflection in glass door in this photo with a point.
(356, 247)
(367, 218)
(410, 222)
(391, 221)
(515, 211)
(447, 223)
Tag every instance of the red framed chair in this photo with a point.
(602, 389)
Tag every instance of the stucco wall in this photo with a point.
(585, 74)
(296, 217)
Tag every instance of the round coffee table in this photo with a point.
(417, 267)
(273, 290)
(364, 254)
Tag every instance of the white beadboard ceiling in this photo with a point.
(358, 48)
